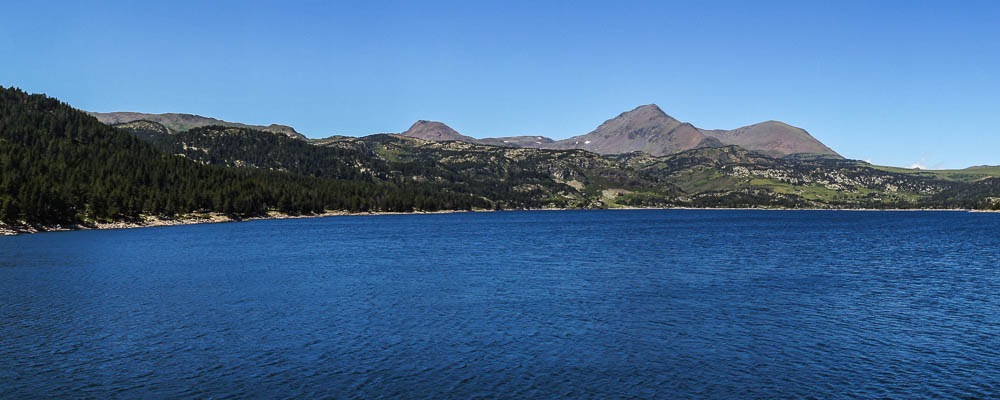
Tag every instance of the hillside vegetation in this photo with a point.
(511, 177)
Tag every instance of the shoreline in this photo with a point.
(811, 209)
(216, 218)
(193, 219)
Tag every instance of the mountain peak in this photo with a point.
(427, 124)
(647, 111)
(644, 115)
(436, 131)
(645, 128)
(651, 107)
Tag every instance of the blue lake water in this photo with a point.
(582, 304)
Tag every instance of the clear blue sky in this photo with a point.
(890, 82)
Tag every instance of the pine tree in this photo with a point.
(8, 211)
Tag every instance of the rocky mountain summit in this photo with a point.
(436, 131)
(646, 128)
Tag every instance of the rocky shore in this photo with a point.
(202, 218)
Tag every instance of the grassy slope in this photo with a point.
(819, 182)
(955, 175)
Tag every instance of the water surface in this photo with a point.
(599, 304)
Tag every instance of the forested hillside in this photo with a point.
(59, 165)
(983, 194)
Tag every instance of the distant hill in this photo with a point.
(439, 132)
(773, 138)
(182, 122)
(436, 131)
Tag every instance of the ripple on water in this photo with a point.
(600, 304)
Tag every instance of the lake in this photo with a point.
(533, 304)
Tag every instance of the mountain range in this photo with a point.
(645, 129)
(650, 130)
